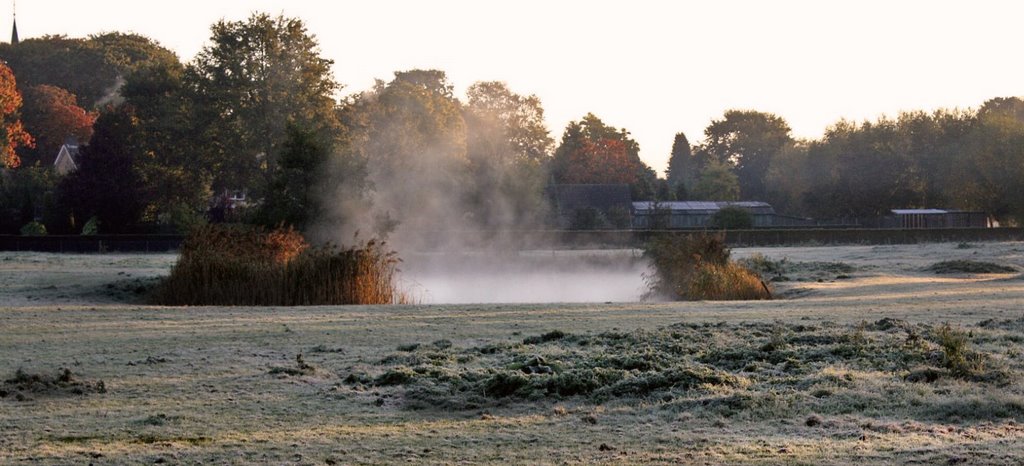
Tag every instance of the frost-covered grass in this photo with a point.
(893, 365)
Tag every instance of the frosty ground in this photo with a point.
(850, 366)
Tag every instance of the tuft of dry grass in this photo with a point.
(697, 267)
(251, 266)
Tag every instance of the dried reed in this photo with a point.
(244, 266)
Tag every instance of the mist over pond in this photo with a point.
(524, 276)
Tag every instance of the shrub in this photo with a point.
(184, 218)
(33, 229)
(697, 267)
(732, 218)
(91, 227)
(222, 265)
(957, 355)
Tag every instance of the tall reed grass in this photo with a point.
(697, 267)
(244, 266)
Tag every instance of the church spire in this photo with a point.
(14, 29)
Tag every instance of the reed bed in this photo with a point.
(697, 267)
(238, 266)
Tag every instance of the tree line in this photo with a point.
(959, 159)
(165, 144)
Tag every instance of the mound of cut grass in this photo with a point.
(968, 266)
(235, 266)
(24, 384)
(714, 370)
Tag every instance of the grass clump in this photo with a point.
(24, 384)
(766, 266)
(301, 368)
(713, 370)
(968, 266)
(550, 336)
(697, 267)
(232, 265)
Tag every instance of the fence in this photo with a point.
(98, 243)
(795, 237)
(549, 239)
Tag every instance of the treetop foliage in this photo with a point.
(258, 112)
(12, 133)
(595, 153)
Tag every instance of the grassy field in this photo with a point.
(872, 357)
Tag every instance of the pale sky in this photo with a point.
(653, 67)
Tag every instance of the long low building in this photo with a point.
(697, 214)
(936, 218)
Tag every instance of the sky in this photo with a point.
(655, 68)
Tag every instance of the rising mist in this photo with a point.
(455, 189)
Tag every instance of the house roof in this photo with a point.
(704, 206)
(919, 211)
(65, 161)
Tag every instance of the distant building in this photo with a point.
(677, 215)
(936, 218)
(66, 158)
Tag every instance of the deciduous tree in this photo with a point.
(748, 140)
(52, 115)
(717, 182)
(254, 79)
(92, 69)
(592, 134)
(507, 147)
(12, 132)
(410, 135)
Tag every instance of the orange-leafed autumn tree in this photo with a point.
(605, 161)
(592, 152)
(52, 115)
(12, 133)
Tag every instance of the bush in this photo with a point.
(91, 227)
(222, 265)
(697, 267)
(957, 355)
(732, 218)
(184, 218)
(33, 229)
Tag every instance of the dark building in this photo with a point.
(678, 215)
(589, 206)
